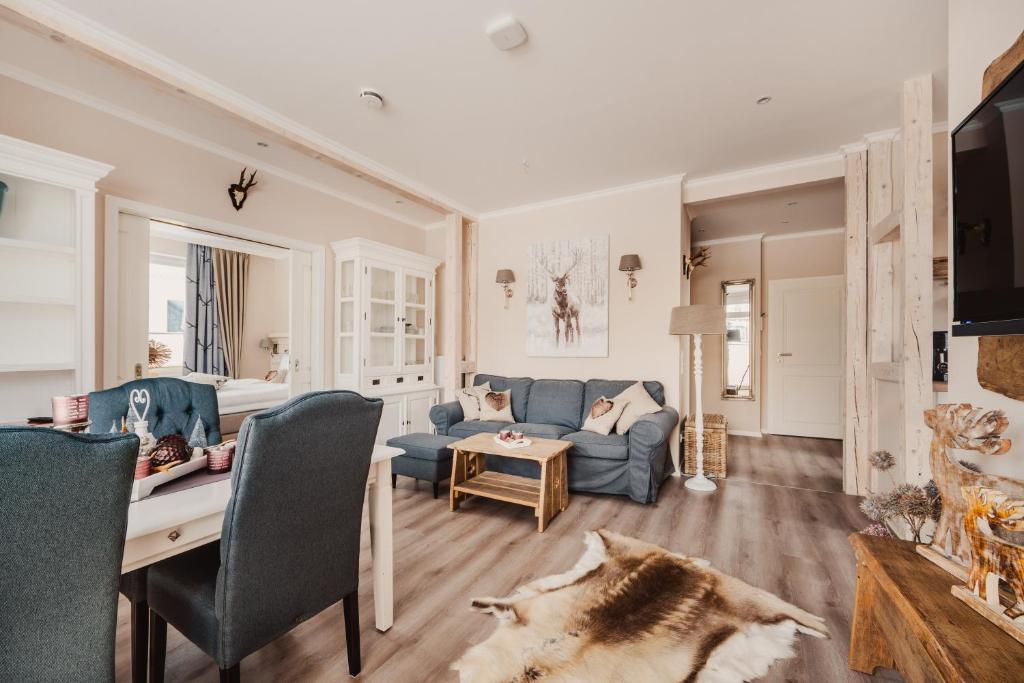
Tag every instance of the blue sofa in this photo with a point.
(633, 464)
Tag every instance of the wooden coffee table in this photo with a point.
(548, 495)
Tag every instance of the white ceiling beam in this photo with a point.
(761, 178)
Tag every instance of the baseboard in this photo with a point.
(741, 432)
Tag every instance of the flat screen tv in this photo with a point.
(988, 214)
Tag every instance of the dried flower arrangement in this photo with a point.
(159, 354)
(913, 504)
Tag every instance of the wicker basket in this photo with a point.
(716, 442)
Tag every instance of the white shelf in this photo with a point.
(38, 367)
(36, 301)
(27, 245)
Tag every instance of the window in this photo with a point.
(166, 314)
(738, 347)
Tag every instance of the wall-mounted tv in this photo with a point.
(988, 214)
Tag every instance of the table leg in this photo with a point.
(381, 547)
(565, 479)
(868, 643)
(544, 509)
(140, 640)
(458, 476)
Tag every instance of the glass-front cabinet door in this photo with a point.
(415, 318)
(346, 324)
(383, 316)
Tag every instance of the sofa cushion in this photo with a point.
(543, 431)
(556, 402)
(471, 427)
(520, 387)
(596, 388)
(602, 446)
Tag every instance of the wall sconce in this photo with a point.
(629, 264)
(266, 344)
(505, 278)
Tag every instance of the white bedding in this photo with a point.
(243, 395)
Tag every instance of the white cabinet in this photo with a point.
(384, 330)
(47, 276)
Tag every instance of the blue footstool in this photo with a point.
(427, 458)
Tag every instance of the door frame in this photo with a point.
(115, 206)
(771, 368)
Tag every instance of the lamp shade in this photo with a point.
(505, 276)
(697, 319)
(629, 262)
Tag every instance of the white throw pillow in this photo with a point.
(216, 381)
(470, 398)
(496, 406)
(603, 414)
(639, 403)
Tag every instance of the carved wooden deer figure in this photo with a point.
(987, 509)
(963, 426)
(565, 307)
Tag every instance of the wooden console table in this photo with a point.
(905, 618)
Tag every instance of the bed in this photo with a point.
(247, 395)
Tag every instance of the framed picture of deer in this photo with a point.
(567, 298)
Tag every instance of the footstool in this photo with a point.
(427, 458)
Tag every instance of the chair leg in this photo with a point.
(351, 604)
(231, 675)
(157, 647)
(140, 639)
(394, 480)
(435, 490)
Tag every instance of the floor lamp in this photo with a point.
(697, 321)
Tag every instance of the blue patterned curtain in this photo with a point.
(204, 351)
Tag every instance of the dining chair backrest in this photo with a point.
(63, 514)
(175, 407)
(290, 541)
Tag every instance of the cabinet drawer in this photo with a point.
(159, 545)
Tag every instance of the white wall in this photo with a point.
(647, 221)
(266, 311)
(978, 33)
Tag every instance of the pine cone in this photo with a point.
(170, 448)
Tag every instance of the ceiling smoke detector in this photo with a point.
(371, 98)
(506, 33)
(764, 100)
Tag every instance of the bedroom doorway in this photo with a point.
(214, 303)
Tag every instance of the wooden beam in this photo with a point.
(916, 236)
(886, 228)
(470, 285)
(453, 254)
(183, 85)
(855, 442)
(880, 293)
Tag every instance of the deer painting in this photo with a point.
(565, 306)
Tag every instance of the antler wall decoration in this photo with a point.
(239, 191)
(699, 259)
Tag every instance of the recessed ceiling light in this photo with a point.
(399, 201)
(764, 100)
(792, 203)
(359, 175)
(784, 222)
(260, 143)
(371, 98)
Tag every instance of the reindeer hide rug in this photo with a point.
(631, 611)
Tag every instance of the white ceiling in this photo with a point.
(603, 94)
(817, 206)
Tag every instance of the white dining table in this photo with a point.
(164, 526)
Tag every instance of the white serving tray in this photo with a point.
(143, 487)
(522, 443)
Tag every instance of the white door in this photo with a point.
(132, 343)
(805, 356)
(300, 371)
(391, 419)
(417, 414)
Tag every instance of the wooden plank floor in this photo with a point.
(815, 464)
(791, 541)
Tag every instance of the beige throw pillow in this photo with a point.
(603, 414)
(639, 403)
(497, 406)
(469, 399)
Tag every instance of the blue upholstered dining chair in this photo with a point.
(175, 407)
(289, 547)
(63, 514)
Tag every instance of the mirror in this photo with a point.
(738, 344)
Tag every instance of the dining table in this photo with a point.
(166, 524)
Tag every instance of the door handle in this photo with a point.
(783, 355)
